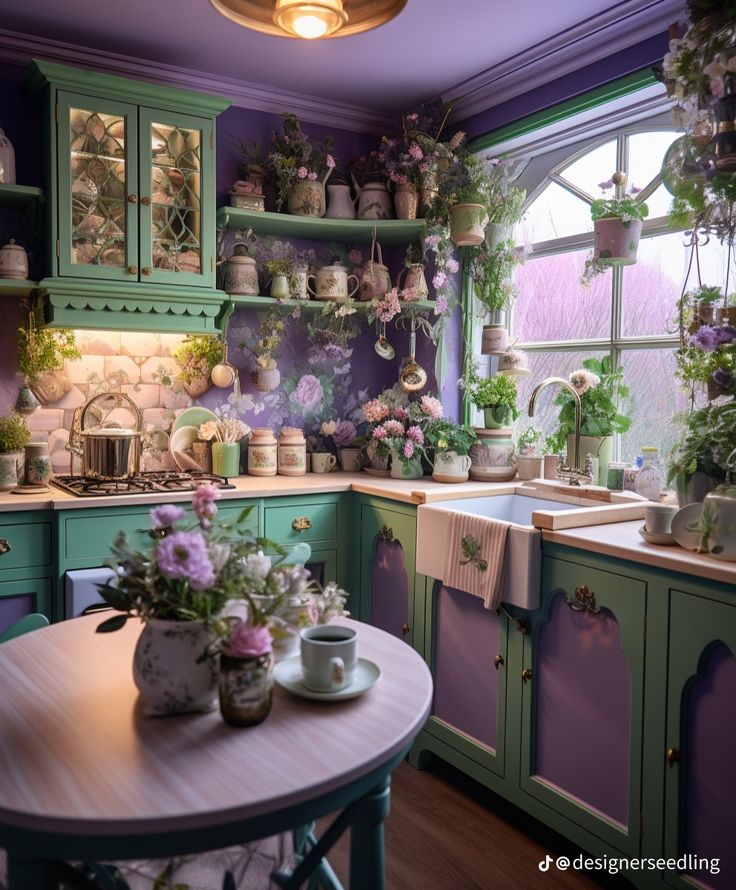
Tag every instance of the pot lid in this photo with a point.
(11, 245)
(111, 432)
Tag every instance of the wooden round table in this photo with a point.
(86, 777)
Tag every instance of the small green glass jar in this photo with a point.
(246, 688)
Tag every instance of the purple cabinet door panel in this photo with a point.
(466, 639)
(13, 608)
(708, 767)
(582, 685)
(389, 588)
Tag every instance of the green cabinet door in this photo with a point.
(97, 168)
(699, 757)
(177, 199)
(388, 567)
(582, 685)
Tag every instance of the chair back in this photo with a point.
(33, 621)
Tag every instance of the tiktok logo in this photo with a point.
(545, 863)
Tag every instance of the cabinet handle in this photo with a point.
(132, 199)
(145, 200)
(673, 756)
(146, 270)
(583, 601)
(301, 523)
(526, 674)
(386, 533)
(498, 661)
(405, 629)
(132, 270)
(5, 546)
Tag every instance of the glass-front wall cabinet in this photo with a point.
(134, 200)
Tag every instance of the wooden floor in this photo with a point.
(445, 832)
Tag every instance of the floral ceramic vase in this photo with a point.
(449, 466)
(406, 468)
(307, 198)
(167, 671)
(468, 224)
(11, 469)
(37, 464)
(350, 460)
(26, 403)
(246, 688)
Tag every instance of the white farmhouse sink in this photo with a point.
(522, 586)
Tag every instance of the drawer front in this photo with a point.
(19, 598)
(24, 545)
(87, 535)
(309, 521)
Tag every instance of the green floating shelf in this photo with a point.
(389, 232)
(13, 287)
(19, 196)
(312, 306)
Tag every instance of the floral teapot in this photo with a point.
(374, 200)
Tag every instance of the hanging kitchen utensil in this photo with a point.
(412, 377)
(225, 374)
(382, 346)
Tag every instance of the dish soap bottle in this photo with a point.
(649, 478)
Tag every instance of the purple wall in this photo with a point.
(642, 55)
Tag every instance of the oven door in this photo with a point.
(81, 589)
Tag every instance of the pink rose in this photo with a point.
(308, 393)
(330, 161)
(247, 641)
(302, 172)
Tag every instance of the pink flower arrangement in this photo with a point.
(400, 423)
(247, 641)
(432, 407)
(375, 411)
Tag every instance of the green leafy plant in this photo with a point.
(491, 392)
(197, 356)
(14, 433)
(485, 181)
(444, 435)
(708, 439)
(43, 349)
(626, 209)
(295, 158)
(492, 265)
(528, 440)
(603, 399)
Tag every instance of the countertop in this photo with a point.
(622, 539)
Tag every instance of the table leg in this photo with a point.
(367, 860)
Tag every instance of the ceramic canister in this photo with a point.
(241, 276)
(292, 452)
(13, 261)
(492, 455)
(38, 464)
(262, 453)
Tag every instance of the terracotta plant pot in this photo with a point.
(530, 466)
(468, 224)
(726, 315)
(197, 386)
(266, 379)
(616, 241)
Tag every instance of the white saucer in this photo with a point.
(683, 526)
(288, 674)
(664, 538)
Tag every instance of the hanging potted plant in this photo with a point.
(14, 435)
(196, 357)
(42, 352)
(617, 224)
(266, 375)
(699, 461)
(300, 169)
(451, 443)
(471, 193)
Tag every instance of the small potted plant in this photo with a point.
(699, 461)
(529, 458)
(283, 284)
(496, 398)
(617, 224)
(300, 169)
(14, 435)
(196, 357)
(266, 375)
(41, 355)
(451, 443)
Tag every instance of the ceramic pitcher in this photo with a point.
(374, 201)
(339, 201)
(331, 283)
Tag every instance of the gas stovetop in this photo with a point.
(144, 483)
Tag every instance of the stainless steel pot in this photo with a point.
(110, 450)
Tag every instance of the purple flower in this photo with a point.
(416, 435)
(704, 338)
(439, 280)
(308, 393)
(722, 378)
(203, 503)
(344, 433)
(432, 241)
(408, 448)
(184, 555)
(166, 515)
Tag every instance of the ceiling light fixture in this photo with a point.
(309, 19)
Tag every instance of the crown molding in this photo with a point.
(618, 28)
(20, 49)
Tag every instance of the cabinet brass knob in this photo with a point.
(132, 270)
(145, 200)
(526, 674)
(146, 270)
(132, 199)
(386, 533)
(301, 523)
(405, 629)
(673, 756)
(498, 661)
(5, 546)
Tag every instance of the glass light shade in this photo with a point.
(310, 20)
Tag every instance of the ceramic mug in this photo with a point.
(329, 654)
(350, 460)
(658, 518)
(323, 462)
(331, 283)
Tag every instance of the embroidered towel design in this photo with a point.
(475, 559)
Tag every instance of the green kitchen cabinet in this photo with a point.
(700, 741)
(390, 591)
(582, 697)
(25, 566)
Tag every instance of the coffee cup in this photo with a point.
(658, 518)
(323, 462)
(329, 656)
